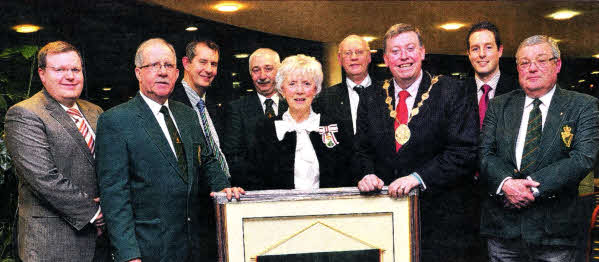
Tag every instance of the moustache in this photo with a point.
(263, 81)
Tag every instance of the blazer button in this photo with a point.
(189, 219)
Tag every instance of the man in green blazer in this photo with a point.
(537, 144)
(149, 153)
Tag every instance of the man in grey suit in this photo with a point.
(50, 138)
(538, 143)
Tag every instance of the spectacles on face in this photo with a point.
(359, 52)
(541, 62)
(64, 70)
(155, 67)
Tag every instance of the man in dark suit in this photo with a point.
(484, 48)
(152, 156)
(431, 146)
(242, 115)
(50, 138)
(537, 145)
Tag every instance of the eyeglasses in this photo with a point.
(64, 70)
(358, 52)
(539, 62)
(155, 67)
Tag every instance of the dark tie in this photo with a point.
(483, 103)
(533, 138)
(177, 143)
(210, 140)
(402, 113)
(359, 89)
(269, 111)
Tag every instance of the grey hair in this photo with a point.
(139, 53)
(540, 39)
(300, 64)
(349, 37)
(262, 52)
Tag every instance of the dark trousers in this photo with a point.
(510, 250)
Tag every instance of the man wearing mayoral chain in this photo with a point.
(418, 130)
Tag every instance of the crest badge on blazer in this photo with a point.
(567, 136)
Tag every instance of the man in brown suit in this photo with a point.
(50, 138)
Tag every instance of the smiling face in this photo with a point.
(263, 69)
(484, 54)
(537, 69)
(62, 77)
(354, 56)
(299, 91)
(201, 70)
(403, 56)
(157, 85)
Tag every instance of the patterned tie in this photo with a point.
(483, 103)
(269, 112)
(359, 89)
(402, 113)
(82, 127)
(177, 143)
(211, 143)
(533, 138)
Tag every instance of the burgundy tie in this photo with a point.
(483, 103)
(402, 113)
(82, 127)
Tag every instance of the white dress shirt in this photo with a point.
(412, 89)
(306, 170)
(275, 104)
(155, 107)
(354, 98)
(492, 83)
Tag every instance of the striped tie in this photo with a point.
(533, 138)
(211, 143)
(82, 127)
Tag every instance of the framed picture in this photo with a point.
(334, 224)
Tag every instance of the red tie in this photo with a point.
(82, 127)
(483, 103)
(402, 113)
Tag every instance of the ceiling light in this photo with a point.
(228, 7)
(581, 81)
(249, 90)
(241, 55)
(191, 29)
(594, 72)
(596, 56)
(563, 14)
(373, 51)
(233, 74)
(452, 26)
(105, 98)
(26, 28)
(381, 65)
(455, 74)
(106, 88)
(368, 38)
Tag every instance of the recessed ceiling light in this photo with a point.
(452, 26)
(594, 72)
(241, 55)
(26, 28)
(373, 51)
(563, 14)
(596, 56)
(228, 7)
(106, 88)
(249, 90)
(191, 29)
(455, 73)
(581, 81)
(233, 74)
(368, 38)
(381, 65)
(106, 98)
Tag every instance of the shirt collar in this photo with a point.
(154, 106)
(492, 82)
(75, 106)
(194, 98)
(412, 89)
(365, 83)
(545, 99)
(274, 97)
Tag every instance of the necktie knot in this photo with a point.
(403, 94)
(164, 110)
(201, 105)
(74, 113)
(486, 88)
(268, 102)
(537, 102)
(359, 89)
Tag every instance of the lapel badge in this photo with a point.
(328, 135)
(567, 136)
(199, 155)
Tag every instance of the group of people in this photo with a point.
(497, 159)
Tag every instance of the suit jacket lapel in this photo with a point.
(553, 121)
(61, 116)
(282, 105)
(153, 130)
(388, 122)
(345, 107)
(513, 113)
